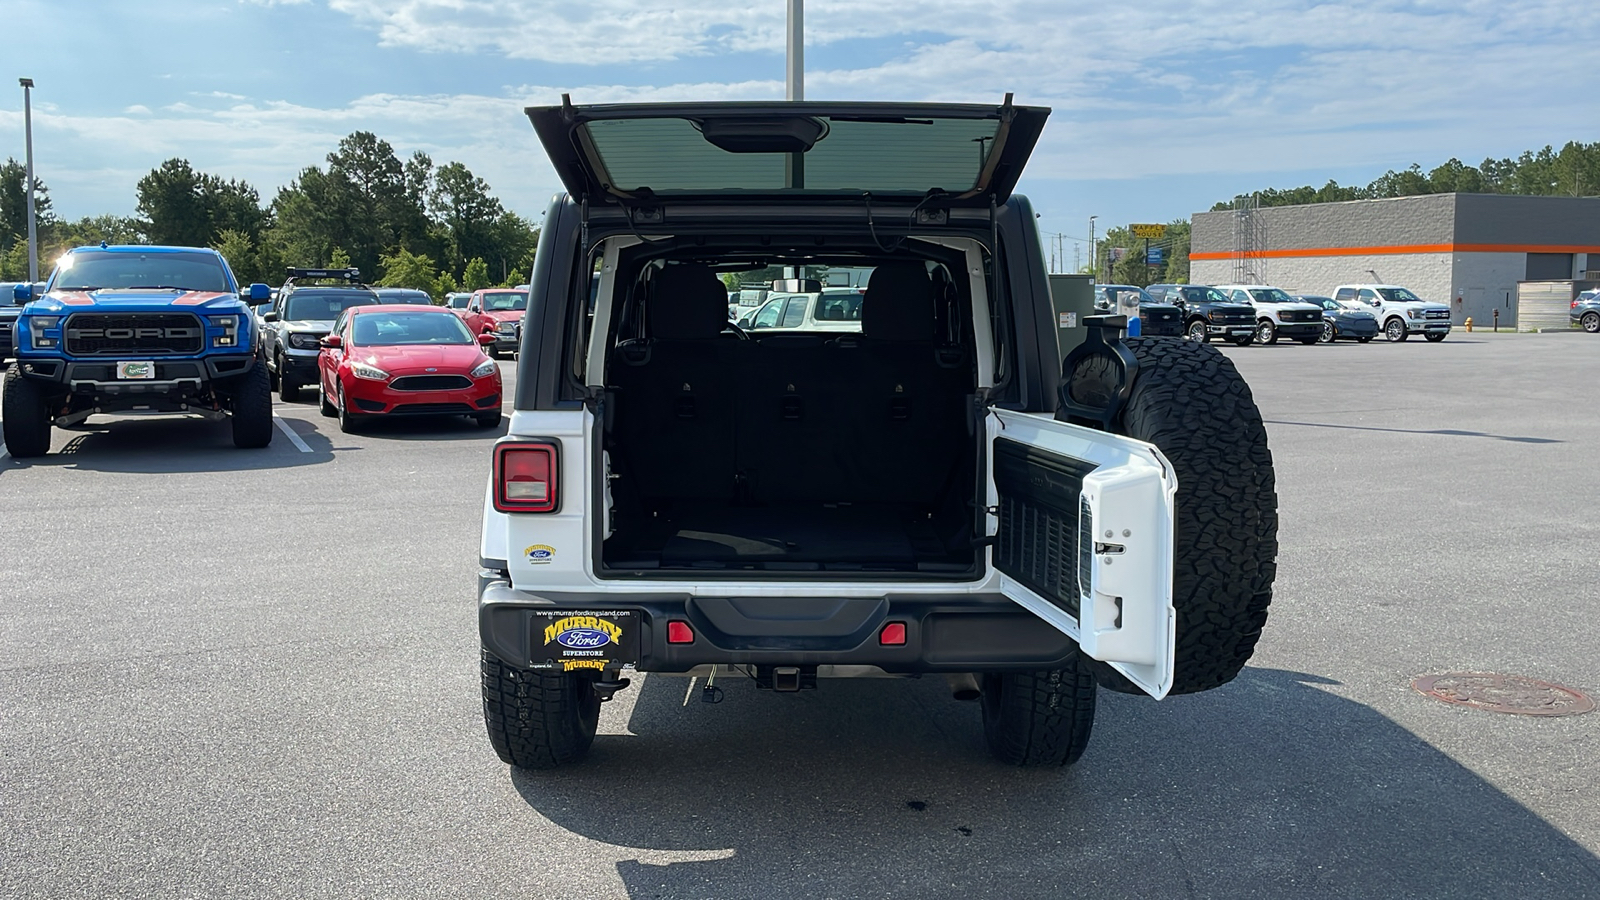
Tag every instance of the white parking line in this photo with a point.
(289, 433)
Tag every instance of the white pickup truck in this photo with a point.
(1400, 313)
(1277, 313)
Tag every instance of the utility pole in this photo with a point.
(1094, 253)
(33, 228)
(795, 71)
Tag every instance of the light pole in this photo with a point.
(27, 128)
(795, 69)
(1094, 254)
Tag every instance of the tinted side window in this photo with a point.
(795, 315)
(1369, 295)
(768, 316)
(1345, 294)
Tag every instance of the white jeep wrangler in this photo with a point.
(938, 493)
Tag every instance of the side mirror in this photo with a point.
(22, 293)
(745, 323)
(269, 316)
(486, 338)
(332, 342)
(259, 294)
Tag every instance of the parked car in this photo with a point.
(458, 300)
(307, 305)
(831, 309)
(1400, 313)
(122, 328)
(1156, 318)
(1586, 311)
(497, 311)
(407, 296)
(931, 497)
(1208, 313)
(1277, 313)
(406, 360)
(1341, 320)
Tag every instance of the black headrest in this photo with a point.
(898, 305)
(690, 304)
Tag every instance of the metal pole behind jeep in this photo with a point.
(27, 128)
(795, 69)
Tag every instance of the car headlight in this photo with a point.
(506, 328)
(304, 341)
(39, 325)
(485, 369)
(1413, 313)
(230, 331)
(368, 371)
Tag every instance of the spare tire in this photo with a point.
(1190, 401)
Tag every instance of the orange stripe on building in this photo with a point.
(1396, 249)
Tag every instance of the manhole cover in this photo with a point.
(1504, 694)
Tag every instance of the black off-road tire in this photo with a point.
(537, 720)
(26, 410)
(251, 415)
(1038, 718)
(1191, 402)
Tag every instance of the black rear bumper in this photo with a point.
(943, 633)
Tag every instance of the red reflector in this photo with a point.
(893, 634)
(679, 633)
(525, 477)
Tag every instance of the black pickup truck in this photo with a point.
(1208, 313)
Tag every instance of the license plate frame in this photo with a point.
(567, 640)
(136, 370)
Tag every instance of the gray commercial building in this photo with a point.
(1477, 252)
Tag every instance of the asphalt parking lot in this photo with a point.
(230, 673)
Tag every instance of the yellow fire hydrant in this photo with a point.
(1468, 323)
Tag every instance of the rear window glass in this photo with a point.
(905, 155)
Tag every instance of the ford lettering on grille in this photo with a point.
(91, 334)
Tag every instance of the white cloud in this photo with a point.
(138, 109)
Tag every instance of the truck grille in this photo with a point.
(1233, 317)
(1436, 314)
(430, 383)
(136, 334)
(1300, 315)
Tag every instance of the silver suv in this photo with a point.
(301, 317)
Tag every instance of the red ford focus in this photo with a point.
(406, 360)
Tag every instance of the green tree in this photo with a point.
(240, 251)
(476, 277)
(189, 208)
(14, 208)
(461, 202)
(410, 270)
(338, 259)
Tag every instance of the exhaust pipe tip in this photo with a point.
(964, 686)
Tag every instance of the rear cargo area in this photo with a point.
(790, 452)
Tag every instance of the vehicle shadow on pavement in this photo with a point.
(1446, 432)
(164, 445)
(1271, 787)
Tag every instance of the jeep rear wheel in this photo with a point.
(1192, 403)
(538, 720)
(25, 408)
(252, 408)
(1038, 718)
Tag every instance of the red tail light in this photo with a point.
(526, 477)
(679, 633)
(893, 634)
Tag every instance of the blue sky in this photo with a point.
(1161, 107)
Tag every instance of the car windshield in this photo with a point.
(1201, 295)
(85, 270)
(389, 329)
(505, 300)
(1399, 295)
(417, 298)
(669, 153)
(1270, 295)
(322, 306)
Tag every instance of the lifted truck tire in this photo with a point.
(1190, 401)
(26, 412)
(538, 720)
(252, 408)
(1038, 718)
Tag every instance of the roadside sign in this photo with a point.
(1156, 256)
(1148, 231)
